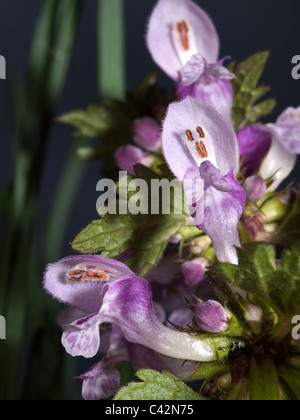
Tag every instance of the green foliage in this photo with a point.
(258, 274)
(264, 381)
(246, 108)
(289, 231)
(157, 386)
(110, 122)
(146, 235)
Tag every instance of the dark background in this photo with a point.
(245, 27)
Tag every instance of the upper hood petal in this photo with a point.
(220, 139)
(84, 295)
(166, 15)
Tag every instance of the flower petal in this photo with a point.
(220, 139)
(128, 304)
(82, 338)
(101, 381)
(162, 44)
(222, 212)
(210, 83)
(278, 163)
(86, 294)
(287, 129)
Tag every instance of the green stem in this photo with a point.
(111, 49)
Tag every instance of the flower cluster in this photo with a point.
(178, 317)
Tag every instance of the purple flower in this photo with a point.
(146, 134)
(209, 83)
(177, 30)
(127, 157)
(271, 150)
(212, 317)
(103, 379)
(107, 293)
(184, 43)
(202, 151)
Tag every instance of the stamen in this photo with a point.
(183, 30)
(77, 276)
(201, 149)
(97, 275)
(189, 135)
(201, 132)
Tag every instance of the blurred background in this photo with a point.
(244, 28)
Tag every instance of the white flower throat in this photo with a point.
(199, 146)
(184, 41)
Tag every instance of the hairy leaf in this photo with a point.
(157, 386)
(246, 110)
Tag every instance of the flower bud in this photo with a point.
(255, 188)
(146, 134)
(128, 156)
(212, 317)
(194, 271)
(174, 240)
(253, 313)
(254, 317)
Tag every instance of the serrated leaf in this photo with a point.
(92, 122)
(258, 274)
(157, 386)
(146, 235)
(245, 109)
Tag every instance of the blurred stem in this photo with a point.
(49, 59)
(111, 49)
(64, 198)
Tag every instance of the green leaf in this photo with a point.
(92, 123)
(246, 93)
(264, 381)
(157, 386)
(146, 234)
(258, 274)
(256, 262)
(291, 376)
(210, 370)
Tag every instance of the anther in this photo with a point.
(189, 135)
(201, 149)
(201, 132)
(77, 276)
(183, 30)
(96, 275)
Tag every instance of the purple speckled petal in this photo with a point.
(222, 212)
(210, 83)
(128, 305)
(164, 43)
(82, 338)
(85, 295)
(101, 381)
(220, 139)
